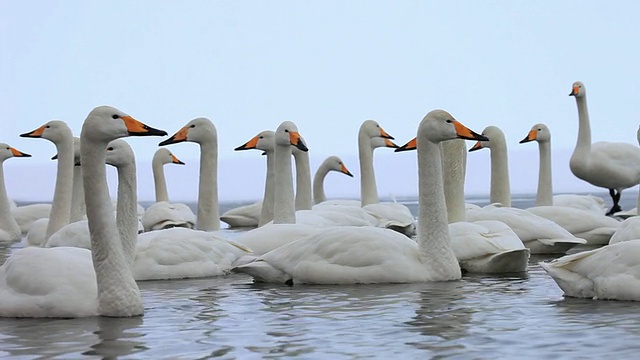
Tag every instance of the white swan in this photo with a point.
(349, 255)
(26, 215)
(78, 211)
(164, 214)
(9, 228)
(544, 195)
(611, 272)
(611, 165)
(632, 212)
(539, 235)
(332, 163)
(59, 133)
(303, 199)
(203, 132)
(75, 282)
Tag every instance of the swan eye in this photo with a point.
(48, 127)
(261, 137)
(286, 130)
(448, 121)
(192, 126)
(115, 116)
(110, 148)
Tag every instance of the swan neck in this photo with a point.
(208, 212)
(303, 180)
(7, 221)
(544, 196)
(159, 180)
(500, 187)
(583, 144)
(318, 183)
(61, 205)
(284, 211)
(454, 159)
(266, 214)
(127, 211)
(368, 187)
(78, 209)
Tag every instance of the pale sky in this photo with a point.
(327, 66)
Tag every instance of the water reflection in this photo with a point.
(115, 340)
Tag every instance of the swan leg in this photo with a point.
(615, 196)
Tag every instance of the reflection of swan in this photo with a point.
(607, 273)
(332, 163)
(58, 133)
(544, 195)
(348, 255)
(613, 166)
(9, 228)
(164, 214)
(539, 235)
(73, 282)
(117, 338)
(203, 132)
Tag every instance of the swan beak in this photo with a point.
(385, 135)
(532, 135)
(251, 144)
(180, 136)
(411, 145)
(294, 137)
(54, 157)
(35, 133)
(175, 160)
(466, 133)
(18, 153)
(345, 171)
(136, 128)
(476, 146)
(390, 144)
(574, 91)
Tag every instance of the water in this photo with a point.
(230, 317)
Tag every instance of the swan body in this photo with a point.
(629, 230)
(164, 214)
(350, 255)
(9, 228)
(611, 165)
(611, 272)
(25, 215)
(75, 282)
(246, 216)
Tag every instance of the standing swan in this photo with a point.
(351, 255)
(74, 282)
(9, 228)
(611, 165)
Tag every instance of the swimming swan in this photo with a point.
(9, 228)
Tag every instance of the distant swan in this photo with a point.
(351, 255)
(75, 282)
(9, 228)
(611, 165)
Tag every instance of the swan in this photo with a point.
(303, 199)
(9, 228)
(59, 133)
(589, 224)
(611, 165)
(332, 163)
(484, 246)
(539, 235)
(632, 212)
(75, 282)
(26, 215)
(544, 195)
(164, 214)
(611, 272)
(203, 132)
(350, 255)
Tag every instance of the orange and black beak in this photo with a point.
(476, 146)
(411, 145)
(296, 141)
(575, 90)
(251, 144)
(136, 128)
(345, 171)
(35, 133)
(531, 136)
(175, 160)
(385, 135)
(18, 153)
(178, 137)
(466, 133)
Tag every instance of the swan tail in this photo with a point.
(509, 261)
(571, 283)
(262, 271)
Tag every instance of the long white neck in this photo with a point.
(78, 209)
(583, 145)
(127, 211)
(500, 188)
(7, 221)
(61, 206)
(368, 187)
(454, 162)
(266, 214)
(433, 230)
(118, 293)
(303, 180)
(159, 180)
(284, 211)
(208, 213)
(318, 183)
(544, 196)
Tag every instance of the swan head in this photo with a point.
(265, 141)
(491, 133)
(200, 130)
(577, 89)
(164, 156)
(119, 153)
(372, 129)
(438, 126)
(287, 134)
(106, 123)
(336, 164)
(55, 131)
(7, 152)
(539, 132)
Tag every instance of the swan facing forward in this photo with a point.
(74, 282)
(351, 255)
(9, 228)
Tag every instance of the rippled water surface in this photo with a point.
(230, 317)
